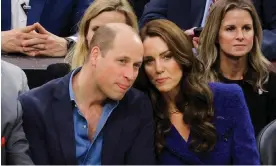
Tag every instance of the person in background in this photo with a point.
(196, 123)
(138, 6)
(92, 116)
(188, 14)
(99, 13)
(14, 145)
(230, 49)
(267, 14)
(40, 27)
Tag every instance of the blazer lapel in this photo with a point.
(197, 12)
(177, 145)
(34, 14)
(112, 133)
(63, 117)
(6, 15)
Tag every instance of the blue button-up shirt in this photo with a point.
(89, 152)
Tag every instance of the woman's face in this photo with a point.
(236, 33)
(161, 68)
(102, 19)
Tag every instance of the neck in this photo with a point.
(170, 98)
(233, 68)
(86, 92)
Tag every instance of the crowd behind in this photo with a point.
(145, 82)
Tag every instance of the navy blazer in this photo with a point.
(267, 14)
(128, 135)
(59, 17)
(236, 143)
(184, 13)
(189, 13)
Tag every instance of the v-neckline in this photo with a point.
(179, 135)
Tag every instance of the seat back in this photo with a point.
(267, 144)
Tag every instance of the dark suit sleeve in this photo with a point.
(142, 150)
(267, 13)
(244, 147)
(155, 9)
(77, 13)
(17, 144)
(138, 6)
(34, 132)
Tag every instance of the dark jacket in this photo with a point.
(56, 16)
(128, 136)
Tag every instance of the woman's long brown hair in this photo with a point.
(194, 98)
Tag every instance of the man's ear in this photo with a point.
(94, 55)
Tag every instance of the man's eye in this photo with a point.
(123, 61)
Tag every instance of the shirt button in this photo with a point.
(84, 126)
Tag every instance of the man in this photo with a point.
(188, 14)
(92, 115)
(14, 145)
(57, 20)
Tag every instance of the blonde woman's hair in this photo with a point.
(78, 53)
(208, 49)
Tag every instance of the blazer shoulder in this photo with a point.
(40, 95)
(135, 95)
(137, 101)
(6, 66)
(224, 89)
(228, 99)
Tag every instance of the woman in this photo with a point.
(100, 12)
(196, 123)
(230, 49)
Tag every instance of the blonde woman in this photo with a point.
(100, 12)
(230, 49)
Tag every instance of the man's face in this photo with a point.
(117, 70)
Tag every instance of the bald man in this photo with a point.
(92, 115)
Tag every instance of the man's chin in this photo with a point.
(117, 97)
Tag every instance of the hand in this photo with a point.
(12, 39)
(51, 45)
(195, 40)
(190, 32)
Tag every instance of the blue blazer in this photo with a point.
(59, 17)
(236, 142)
(128, 135)
(189, 13)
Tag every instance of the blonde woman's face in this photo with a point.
(236, 34)
(161, 68)
(102, 19)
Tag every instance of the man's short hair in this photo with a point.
(103, 38)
